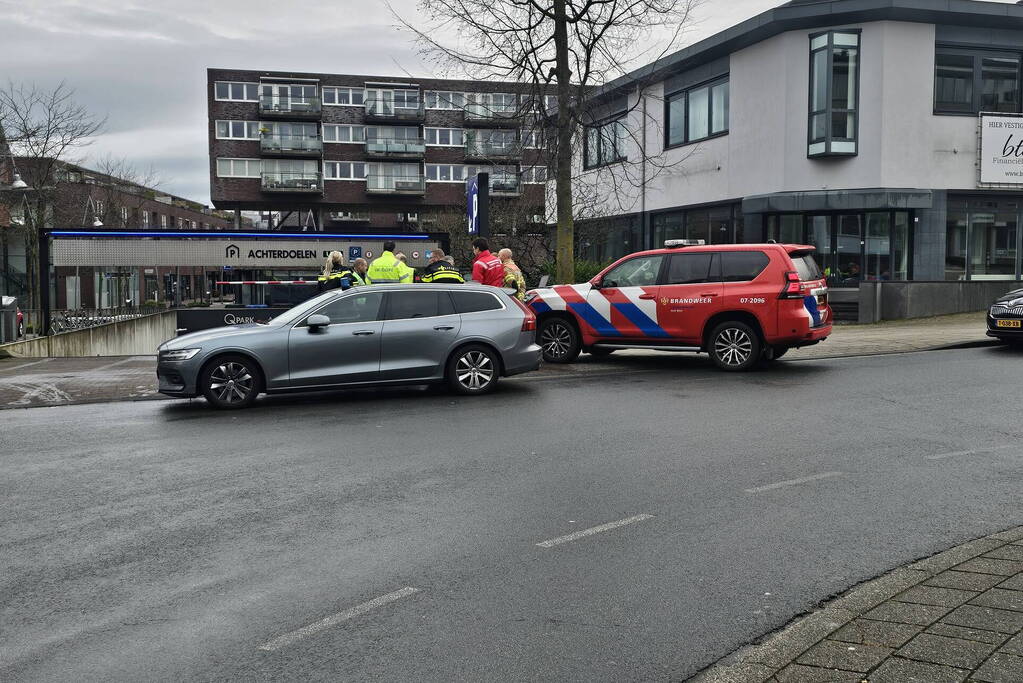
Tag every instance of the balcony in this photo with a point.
(480, 149)
(391, 148)
(388, 184)
(481, 114)
(350, 216)
(277, 106)
(272, 144)
(293, 182)
(384, 111)
(505, 186)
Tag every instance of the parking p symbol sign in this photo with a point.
(354, 252)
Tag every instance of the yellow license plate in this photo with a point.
(1008, 323)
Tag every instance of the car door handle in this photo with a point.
(363, 333)
(709, 294)
(648, 296)
(443, 327)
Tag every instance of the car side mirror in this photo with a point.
(597, 284)
(317, 321)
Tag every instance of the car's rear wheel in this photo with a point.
(230, 382)
(734, 346)
(473, 370)
(559, 340)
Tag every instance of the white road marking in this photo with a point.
(794, 482)
(25, 365)
(975, 451)
(110, 365)
(593, 530)
(335, 619)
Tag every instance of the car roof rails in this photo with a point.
(674, 244)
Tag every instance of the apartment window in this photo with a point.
(124, 216)
(343, 97)
(238, 168)
(227, 91)
(534, 175)
(237, 130)
(972, 81)
(99, 208)
(531, 139)
(145, 219)
(344, 170)
(444, 137)
(697, 113)
(406, 99)
(443, 99)
(396, 133)
(163, 221)
(550, 103)
(834, 93)
(343, 133)
(445, 173)
(604, 143)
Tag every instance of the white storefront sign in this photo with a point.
(1001, 149)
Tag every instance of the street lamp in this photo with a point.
(96, 222)
(18, 183)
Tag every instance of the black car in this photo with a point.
(1005, 317)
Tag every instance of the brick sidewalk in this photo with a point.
(955, 616)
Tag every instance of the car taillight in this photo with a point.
(529, 323)
(793, 286)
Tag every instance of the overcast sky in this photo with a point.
(143, 64)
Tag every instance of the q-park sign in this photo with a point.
(1001, 149)
(477, 200)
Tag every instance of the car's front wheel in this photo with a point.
(230, 382)
(559, 340)
(734, 346)
(473, 370)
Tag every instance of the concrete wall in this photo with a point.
(139, 336)
(898, 300)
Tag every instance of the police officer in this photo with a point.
(335, 275)
(387, 269)
(439, 270)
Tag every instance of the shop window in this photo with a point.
(971, 81)
(834, 93)
(981, 239)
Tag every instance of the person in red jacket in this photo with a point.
(486, 268)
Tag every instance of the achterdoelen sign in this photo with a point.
(1001, 149)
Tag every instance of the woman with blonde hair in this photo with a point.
(513, 277)
(335, 273)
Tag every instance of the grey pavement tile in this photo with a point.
(897, 670)
(1011, 535)
(953, 556)
(1007, 552)
(742, 672)
(831, 654)
(797, 673)
(886, 633)
(784, 647)
(933, 595)
(1014, 646)
(1000, 668)
(907, 613)
(980, 635)
(964, 654)
(987, 565)
(987, 618)
(873, 593)
(967, 581)
(1002, 599)
(1013, 583)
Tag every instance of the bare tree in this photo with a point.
(568, 47)
(43, 128)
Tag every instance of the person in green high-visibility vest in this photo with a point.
(387, 268)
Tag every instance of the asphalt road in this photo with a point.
(164, 541)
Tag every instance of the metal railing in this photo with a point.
(279, 143)
(386, 109)
(381, 146)
(389, 184)
(505, 185)
(81, 318)
(477, 111)
(292, 181)
(493, 150)
(275, 104)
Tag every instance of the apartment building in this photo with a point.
(885, 132)
(329, 151)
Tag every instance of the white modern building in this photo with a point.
(853, 125)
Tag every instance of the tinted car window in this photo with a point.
(684, 269)
(742, 266)
(358, 308)
(638, 272)
(471, 302)
(807, 267)
(422, 304)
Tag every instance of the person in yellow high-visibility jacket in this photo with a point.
(387, 268)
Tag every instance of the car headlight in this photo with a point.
(178, 354)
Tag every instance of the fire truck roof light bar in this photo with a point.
(228, 235)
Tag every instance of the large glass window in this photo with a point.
(604, 143)
(969, 81)
(834, 88)
(713, 225)
(697, 114)
(981, 240)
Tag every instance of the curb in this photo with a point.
(760, 661)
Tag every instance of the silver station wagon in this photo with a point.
(464, 335)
